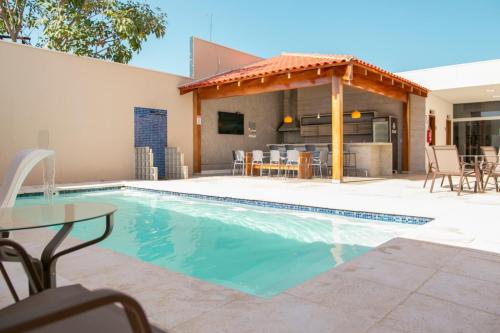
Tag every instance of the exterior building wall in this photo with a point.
(208, 58)
(469, 75)
(263, 109)
(417, 133)
(442, 111)
(318, 100)
(84, 110)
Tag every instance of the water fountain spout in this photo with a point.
(18, 170)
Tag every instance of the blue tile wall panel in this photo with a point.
(150, 130)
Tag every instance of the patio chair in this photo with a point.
(71, 308)
(290, 147)
(491, 167)
(448, 164)
(431, 164)
(257, 159)
(292, 159)
(320, 161)
(274, 160)
(239, 161)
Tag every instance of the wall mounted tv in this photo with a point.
(231, 123)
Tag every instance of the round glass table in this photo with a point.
(43, 216)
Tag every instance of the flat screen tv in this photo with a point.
(231, 123)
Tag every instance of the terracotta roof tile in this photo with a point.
(285, 63)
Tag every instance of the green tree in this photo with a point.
(104, 29)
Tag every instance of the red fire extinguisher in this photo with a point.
(429, 135)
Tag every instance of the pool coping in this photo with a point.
(381, 217)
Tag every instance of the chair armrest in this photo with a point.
(24, 258)
(33, 318)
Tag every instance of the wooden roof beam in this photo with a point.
(375, 75)
(278, 82)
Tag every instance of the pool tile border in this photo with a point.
(406, 219)
(75, 190)
(382, 217)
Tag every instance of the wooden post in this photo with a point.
(337, 129)
(196, 133)
(406, 135)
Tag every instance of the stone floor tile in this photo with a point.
(418, 253)
(380, 328)
(387, 272)
(478, 294)
(283, 313)
(476, 264)
(356, 296)
(421, 313)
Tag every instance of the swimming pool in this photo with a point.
(258, 250)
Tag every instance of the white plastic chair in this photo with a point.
(292, 159)
(274, 159)
(257, 158)
(239, 160)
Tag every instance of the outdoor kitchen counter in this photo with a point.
(374, 157)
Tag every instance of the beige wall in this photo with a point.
(208, 58)
(263, 109)
(86, 107)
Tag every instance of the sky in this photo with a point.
(396, 35)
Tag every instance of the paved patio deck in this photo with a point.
(444, 277)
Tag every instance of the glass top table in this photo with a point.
(28, 217)
(43, 216)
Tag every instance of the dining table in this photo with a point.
(65, 216)
(303, 168)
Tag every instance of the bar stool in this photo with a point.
(310, 147)
(320, 161)
(329, 167)
(350, 163)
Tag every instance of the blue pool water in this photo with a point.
(260, 251)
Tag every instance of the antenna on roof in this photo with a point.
(211, 25)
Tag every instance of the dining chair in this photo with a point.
(292, 160)
(257, 159)
(239, 161)
(274, 160)
(448, 164)
(431, 164)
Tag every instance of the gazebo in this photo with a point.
(293, 71)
